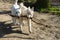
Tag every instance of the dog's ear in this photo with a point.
(29, 7)
(21, 4)
(32, 8)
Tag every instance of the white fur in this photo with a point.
(29, 12)
(16, 11)
(22, 9)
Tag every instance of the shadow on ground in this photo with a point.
(7, 29)
(5, 12)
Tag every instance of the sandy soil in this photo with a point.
(44, 27)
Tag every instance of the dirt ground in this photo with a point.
(44, 26)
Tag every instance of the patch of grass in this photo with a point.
(44, 10)
(52, 10)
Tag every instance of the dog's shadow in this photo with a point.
(5, 12)
(7, 28)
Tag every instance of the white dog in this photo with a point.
(16, 12)
(29, 13)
